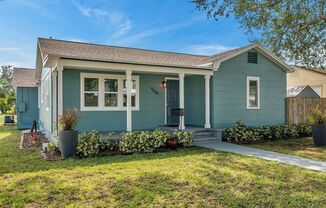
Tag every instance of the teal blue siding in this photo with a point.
(229, 104)
(195, 100)
(26, 106)
(151, 105)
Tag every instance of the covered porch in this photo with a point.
(146, 91)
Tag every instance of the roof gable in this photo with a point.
(23, 77)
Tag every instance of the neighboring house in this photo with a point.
(302, 77)
(26, 97)
(308, 92)
(119, 89)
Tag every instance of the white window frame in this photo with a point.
(47, 93)
(258, 92)
(101, 78)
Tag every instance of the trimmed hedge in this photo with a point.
(242, 134)
(146, 141)
(91, 144)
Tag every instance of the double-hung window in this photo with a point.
(253, 93)
(107, 92)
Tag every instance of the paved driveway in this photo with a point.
(267, 155)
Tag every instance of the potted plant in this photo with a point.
(318, 120)
(68, 136)
(172, 142)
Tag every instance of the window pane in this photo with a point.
(111, 85)
(133, 100)
(111, 100)
(91, 84)
(91, 99)
(253, 94)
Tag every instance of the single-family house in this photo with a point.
(125, 89)
(302, 77)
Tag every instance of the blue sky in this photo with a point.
(169, 25)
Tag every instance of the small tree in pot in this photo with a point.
(68, 136)
(318, 120)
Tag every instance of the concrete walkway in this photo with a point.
(267, 155)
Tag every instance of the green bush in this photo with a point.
(290, 131)
(184, 138)
(146, 141)
(265, 132)
(304, 130)
(241, 134)
(89, 144)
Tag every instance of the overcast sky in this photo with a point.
(169, 25)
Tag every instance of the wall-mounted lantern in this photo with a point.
(163, 84)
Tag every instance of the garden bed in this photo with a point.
(30, 140)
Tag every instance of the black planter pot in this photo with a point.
(68, 143)
(319, 134)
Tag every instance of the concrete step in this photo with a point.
(207, 139)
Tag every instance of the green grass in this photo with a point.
(187, 178)
(303, 147)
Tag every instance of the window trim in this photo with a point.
(249, 78)
(101, 96)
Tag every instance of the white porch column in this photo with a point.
(54, 101)
(60, 92)
(207, 102)
(181, 99)
(128, 88)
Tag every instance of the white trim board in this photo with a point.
(249, 78)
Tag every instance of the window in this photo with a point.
(107, 92)
(253, 93)
(252, 57)
(91, 92)
(110, 92)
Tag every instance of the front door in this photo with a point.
(172, 101)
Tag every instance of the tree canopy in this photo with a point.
(292, 29)
(7, 93)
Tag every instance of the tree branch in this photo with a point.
(313, 22)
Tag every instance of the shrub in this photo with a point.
(290, 131)
(304, 130)
(89, 144)
(146, 142)
(266, 132)
(184, 138)
(241, 134)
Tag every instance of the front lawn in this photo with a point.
(303, 147)
(193, 177)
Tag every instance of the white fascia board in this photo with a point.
(106, 66)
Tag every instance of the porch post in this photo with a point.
(54, 101)
(128, 88)
(181, 99)
(60, 92)
(207, 102)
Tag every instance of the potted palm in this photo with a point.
(68, 136)
(318, 120)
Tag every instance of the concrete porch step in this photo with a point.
(206, 139)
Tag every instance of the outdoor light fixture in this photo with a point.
(163, 84)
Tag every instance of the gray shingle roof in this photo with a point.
(23, 77)
(68, 49)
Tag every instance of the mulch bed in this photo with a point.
(32, 140)
(51, 156)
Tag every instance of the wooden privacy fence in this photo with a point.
(298, 109)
